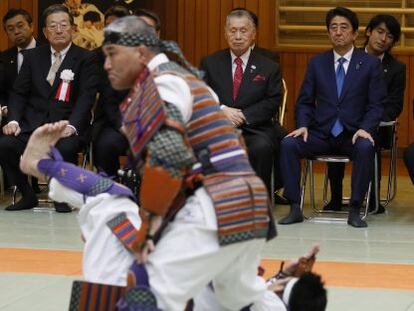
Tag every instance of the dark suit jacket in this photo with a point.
(260, 92)
(32, 102)
(268, 53)
(107, 113)
(9, 59)
(394, 75)
(362, 99)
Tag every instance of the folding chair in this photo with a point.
(317, 212)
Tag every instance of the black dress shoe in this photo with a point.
(280, 200)
(295, 216)
(332, 206)
(23, 204)
(62, 207)
(355, 220)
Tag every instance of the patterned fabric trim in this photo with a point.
(143, 112)
(124, 230)
(239, 196)
(87, 296)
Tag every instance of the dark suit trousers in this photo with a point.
(409, 161)
(11, 149)
(260, 151)
(295, 149)
(108, 146)
(336, 170)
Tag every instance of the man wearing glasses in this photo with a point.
(56, 82)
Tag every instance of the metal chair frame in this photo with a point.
(281, 118)
(308, 170)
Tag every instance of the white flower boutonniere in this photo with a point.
(67, 75)
(63, 92)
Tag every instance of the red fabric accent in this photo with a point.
(67, 93)
(238, 77)
(58, 91)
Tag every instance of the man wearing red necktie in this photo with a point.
(249, 88)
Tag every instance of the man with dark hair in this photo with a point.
(338, 111)
(151, 18)
(308, 294)
(381, 34)
(108, 141)
(115, 12)
(18, 25)
(249, 87)
(56, 82)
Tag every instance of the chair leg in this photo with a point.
(325, 187)
(303, 185)
(312, 185)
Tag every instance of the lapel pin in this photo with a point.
(358, 65)
(252, 68)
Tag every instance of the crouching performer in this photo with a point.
(205, 214)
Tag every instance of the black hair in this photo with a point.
(92, 16)
(344, 12)
(118, 11)
(308, 294)
(56, 8)
(390, 22)
(154, 16)
(14, 12)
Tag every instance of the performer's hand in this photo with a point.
(363, 134)
(302, 131)
(291, 266)
(149, 247)
(235, 115)
(11, 128)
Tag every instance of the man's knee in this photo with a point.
(364, 147)
(288, 144)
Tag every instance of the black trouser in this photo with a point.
(107, 147)
(12, 147)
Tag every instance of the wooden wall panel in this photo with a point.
(198, 27)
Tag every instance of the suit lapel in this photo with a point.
(45, 60)
(352, 69)
(68, 62)
(226, 73)
(329, 68)
(13, 62)
(386, 66)
(247, 76)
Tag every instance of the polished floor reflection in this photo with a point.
(364, 269)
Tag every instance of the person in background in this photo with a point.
(381, 34)
(338, 111)
(57, 81)
(108, 141)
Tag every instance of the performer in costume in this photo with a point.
(216, 207)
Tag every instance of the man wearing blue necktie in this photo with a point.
(338, 111)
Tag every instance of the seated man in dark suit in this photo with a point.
(18, 26)
(56, 82)
(108, 141)
(382, 33)
(338, 111)
(249, 88)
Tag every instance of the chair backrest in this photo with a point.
(282, 107)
